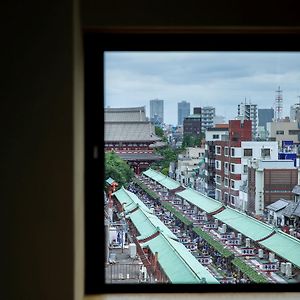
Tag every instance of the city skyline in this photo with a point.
(218, 79)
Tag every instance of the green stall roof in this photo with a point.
(285, 246)
(244, 224)
(129, 200)
(165, 181)
(147, 224)
(156, 176)
(200, 200)
(180, 266)
(176, 213)
(109, 181)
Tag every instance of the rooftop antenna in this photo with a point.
(278, 105)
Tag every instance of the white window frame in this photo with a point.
(232, 149)
(218, 148)
(226, 180)
(226, 149)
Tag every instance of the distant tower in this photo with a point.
(278, 105)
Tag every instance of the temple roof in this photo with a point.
(139, 156)
(129, 132)
(126, 114)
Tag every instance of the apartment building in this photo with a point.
(269, 181)
(212, 135)
(231, 161)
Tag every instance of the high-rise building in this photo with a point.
(192, 125)
(184, 109)
(265, 115)
(157, 111)
(208, 114)
(295, 112)
(249, 112)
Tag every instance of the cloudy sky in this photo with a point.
(218, 79)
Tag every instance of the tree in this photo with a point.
(160, 133)
(165, 171)
(117, 169)
(192, 140)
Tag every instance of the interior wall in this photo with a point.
(41, 154)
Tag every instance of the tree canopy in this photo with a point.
(192, 140)
(159, 132)
(117, 169)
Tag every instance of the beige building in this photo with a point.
(188, 165)
(283, 131)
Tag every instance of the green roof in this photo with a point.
(250, 272)
(176, 213)
(162, 179)
(143, 219)
(200, 200)
(244, 224)
(179, 265)
(285, 246)
(214, 243)
(147, 224)
(109, 181)
(151, 193)
(129, 200)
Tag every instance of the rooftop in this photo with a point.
(278, 205)
(244, 224)
(200, 200)
(125, 114)
(129, 132)
(165, 181)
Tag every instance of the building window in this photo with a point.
(218, 150)
(226, 151)
(218, 195)
(232, 200)
(265, 152)
(279, 132)
(293, 132)
(232, 184)
(226, 197)
(232, 168)
(248, 152)
(226, 168)
(226, 182)
(232, 152)
(216, 136)
(218, 165)
(218, 179)
(245, 169)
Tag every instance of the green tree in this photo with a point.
(117, 168)
(165, 171)
(159, 132)
(192, 140)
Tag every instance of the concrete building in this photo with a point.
(192, 124)
(284, 130)
(157, 111)
(212, 135)
(188, 166)
(295, 112)
(184, 109)
(231, 160)
(249, 112)
(208, 114)
(265, 115)
(269, 181)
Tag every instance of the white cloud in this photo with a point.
(220, 79)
